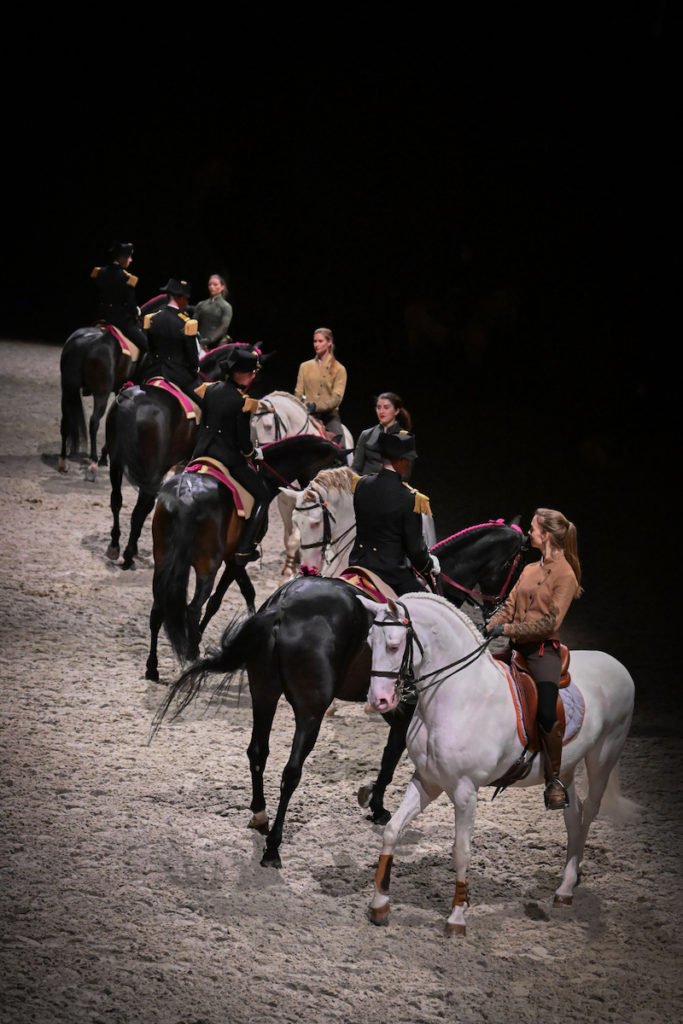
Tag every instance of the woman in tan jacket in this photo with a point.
(531, 618)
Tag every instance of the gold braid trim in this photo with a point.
(421, 506)
(191, 328)
(95, 272)
(250, 405)
(355, 478)
(131, 279)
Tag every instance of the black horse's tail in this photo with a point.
(241, 638)
(171, 577)
(73, 418)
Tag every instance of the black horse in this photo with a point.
(196, 526)
(308, 641)
(92, 363)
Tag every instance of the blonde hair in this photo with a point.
(563, 536)
(326, 333)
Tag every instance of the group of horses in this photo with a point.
(316, 638)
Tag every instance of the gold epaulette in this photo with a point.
(191, 328)
(354, 481)
(201, 390)
(131, 279)
(147, 322)
(421, 506)
(95, 272)
(250, 404)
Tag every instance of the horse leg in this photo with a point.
(263, 713)
(202, 592)
(143, 507)
(305, 735)
(373, 796)
(116, 501)
(417, 796)
(103, 460)
(98, 406)
(465, 801)
(155, 624)
(246, 588)
(573, 820)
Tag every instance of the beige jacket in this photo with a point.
(321, 382)
(539, 601)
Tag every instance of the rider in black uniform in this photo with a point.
(172, 335)
(116, 288)
(388, 519)
(225, 435)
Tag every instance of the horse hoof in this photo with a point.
(91, 472)
(62, 466)
(364, 794)
(260, 823)
(455, 929)
(113, 553)
(563, 901)
(271, 859)
(152, 674)
(380, 915)
(129, 564)
(331, 710)
(379, 817)
(104, 461)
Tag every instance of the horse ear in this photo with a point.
(289, 494)
(515, 521)
(393, 609)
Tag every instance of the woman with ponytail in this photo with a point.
(531, 617)
(392, 417)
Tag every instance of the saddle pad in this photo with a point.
(244, 501)
(571, 708)
(369, 583)
(128, 347)
(191, 409)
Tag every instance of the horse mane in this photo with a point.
(332, 480)
(465, 619)
(284, 394)
(444, 546)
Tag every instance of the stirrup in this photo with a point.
(554, 800)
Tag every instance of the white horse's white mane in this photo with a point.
(283, 394)
(465, 619)
(331, 480)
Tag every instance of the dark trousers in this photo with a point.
(332, 422)
(545, 668)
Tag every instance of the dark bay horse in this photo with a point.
(92, 363)
(308, 642)
(196, 526)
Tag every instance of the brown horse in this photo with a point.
(92, 363)
(196, 526)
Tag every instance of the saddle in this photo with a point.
(369, 583)
(128, 347)
(244, 501)
(190, 408)
(525, 700)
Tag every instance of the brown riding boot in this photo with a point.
(555, 794)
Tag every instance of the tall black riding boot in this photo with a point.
(252, 533)
(555, 794)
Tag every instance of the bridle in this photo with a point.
(474, 594)
(406, 683)
(280, 425)
(328, 540)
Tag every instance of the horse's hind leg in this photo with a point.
(143, 507)
(98, 408)
(264, 708)
(116, 501)
(305, 735)
(202, 592)
(230, 572)
(418, 795)
(573, 820)
(155, 624)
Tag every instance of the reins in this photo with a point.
(406, 683)
(328, 540)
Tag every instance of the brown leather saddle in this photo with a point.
(369, 583)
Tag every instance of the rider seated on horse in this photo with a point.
(172, 336)
(116, 288)
(225, 435)
(389, 519)
(531, 617)
(321, 383)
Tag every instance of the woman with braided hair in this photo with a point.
(531, 618)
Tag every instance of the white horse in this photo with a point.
(323, 520)
(279, 415)
(464, 733)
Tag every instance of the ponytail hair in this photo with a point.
(403, 417)
(563, 536)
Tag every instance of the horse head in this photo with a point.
(397, 654)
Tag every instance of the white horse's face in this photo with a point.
(308, 520)
(263, 426)
(388, 644)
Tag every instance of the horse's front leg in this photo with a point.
(373, 796)
(201, 595)
(573, 820)
(464, 799)
(143, 507)
(417, 796)
(116, 501)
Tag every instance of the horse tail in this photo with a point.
(616, 806)
(171, 577)
(241, 637)
(73, 418)
(135, 433)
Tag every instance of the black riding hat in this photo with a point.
(240, 359)
(119, 249)
(397, 446)
(173, 287)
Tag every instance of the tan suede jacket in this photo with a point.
(539, 601)
(321, 382)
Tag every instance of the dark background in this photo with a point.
(487, 236)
